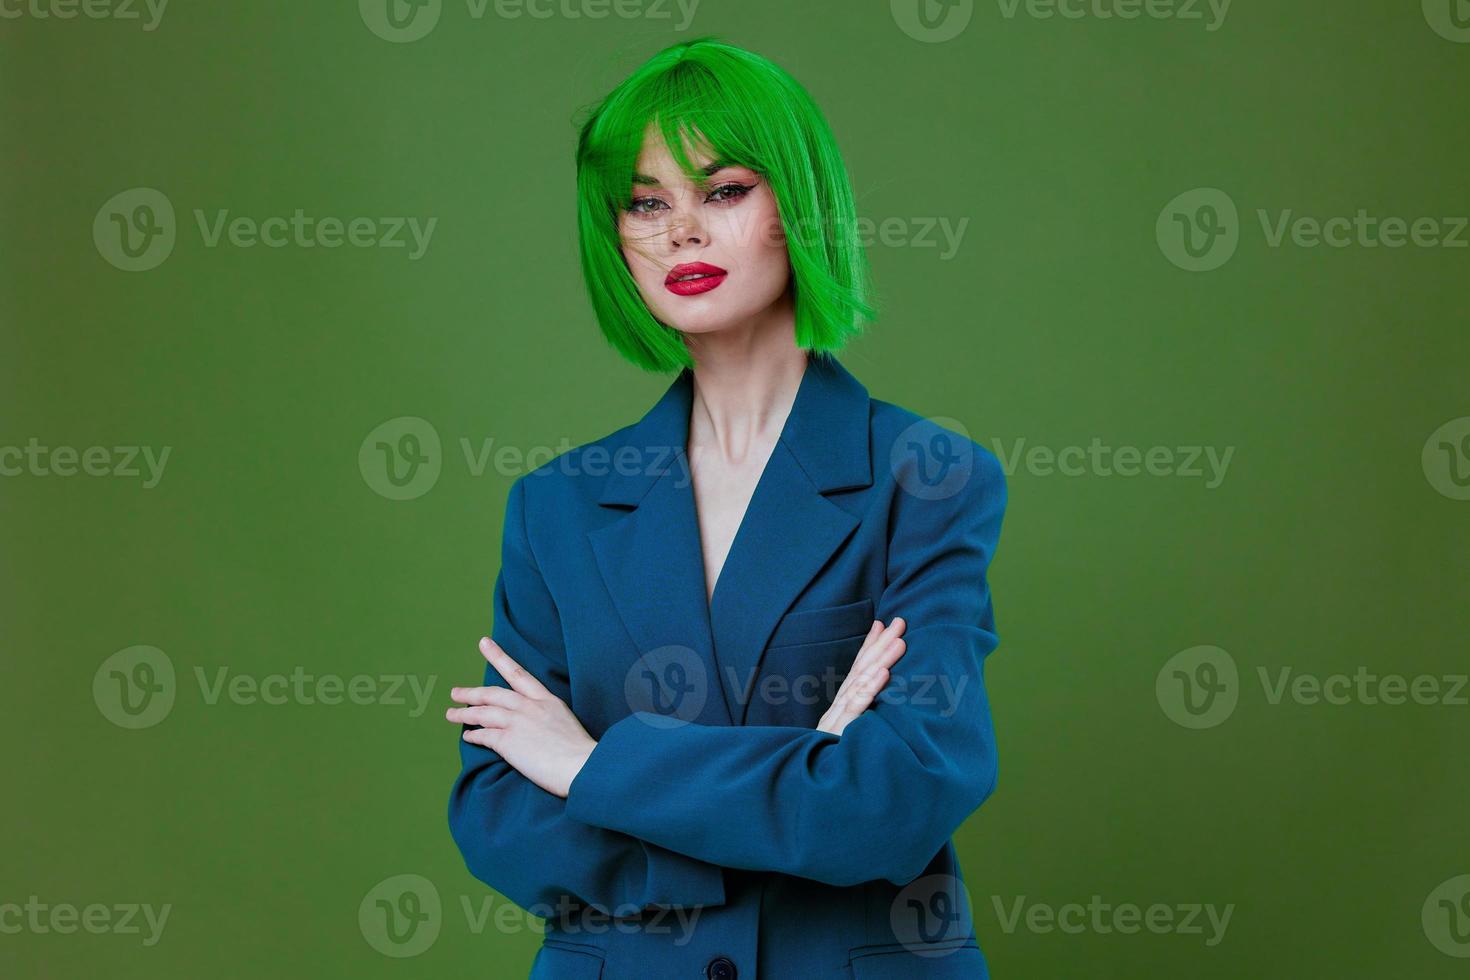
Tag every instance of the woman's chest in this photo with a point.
(722, 491)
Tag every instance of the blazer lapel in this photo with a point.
(790, 529)
(651, 563)
(651, 559)
(789, 532)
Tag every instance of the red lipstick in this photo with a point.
(707, 277)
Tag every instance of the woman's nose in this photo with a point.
(686, 231)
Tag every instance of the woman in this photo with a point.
(679, 724)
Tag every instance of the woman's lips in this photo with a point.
(707, 277)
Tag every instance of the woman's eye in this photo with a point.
(729, 192)
(638, 205)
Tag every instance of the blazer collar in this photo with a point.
(827, 432)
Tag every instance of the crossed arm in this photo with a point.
(540, 810)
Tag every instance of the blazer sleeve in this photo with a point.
(883, 798)
(516, 837)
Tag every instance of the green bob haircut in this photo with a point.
(748, 112)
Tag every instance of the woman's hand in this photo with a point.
(530, 727)
(868, 676)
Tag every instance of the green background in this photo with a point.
(1326, 548)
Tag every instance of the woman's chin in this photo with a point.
(699, 326)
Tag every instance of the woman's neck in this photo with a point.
(745, 383)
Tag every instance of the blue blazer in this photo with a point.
(729, 837)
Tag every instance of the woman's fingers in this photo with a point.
(515, 675)
(488, 737)
(486, 716)
(502, 696)
(879, 648)
(489, 706)
(867, 676)
(883, 652)
(859, 690)
(862, 692)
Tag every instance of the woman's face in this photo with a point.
(724, 229)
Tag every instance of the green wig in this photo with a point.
(750, 113)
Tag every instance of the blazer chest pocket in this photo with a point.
(558, 960)
(951, 960)
(848, 621)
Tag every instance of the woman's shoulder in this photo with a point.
(581, 466)
(931, 457)
(896, 428)
(610, 469)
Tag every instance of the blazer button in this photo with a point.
(720, 968)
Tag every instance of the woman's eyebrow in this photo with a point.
(643, 180)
